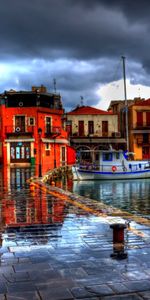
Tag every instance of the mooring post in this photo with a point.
(118, 232)
(118, 241)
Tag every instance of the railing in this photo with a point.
(139, 166)
(110, 134)
(52, 130)
(9, 130)
(141, 141)
(142, 125)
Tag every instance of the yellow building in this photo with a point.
(139, 129)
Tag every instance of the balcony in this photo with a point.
(49, 132)
(19, 130)
(116, 134)
(107, 134)
(141, 126)
(141, 141)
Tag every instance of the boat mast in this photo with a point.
(126, 104)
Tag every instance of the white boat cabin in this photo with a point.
(110, 161)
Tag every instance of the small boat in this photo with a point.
(109, 164)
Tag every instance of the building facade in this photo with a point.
(92, 128)
(31, 129)
(139, 129)
(138, 112)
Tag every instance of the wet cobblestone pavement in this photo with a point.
(60, 246)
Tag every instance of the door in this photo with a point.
(20, 123)
(104, 128)
(20, 152)
(148, 118)
(81, 128)
(90, 127)
(69, 127)
(139, 118)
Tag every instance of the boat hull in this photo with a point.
(79, 174)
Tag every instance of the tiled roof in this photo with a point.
(143, 103)
(88, 110)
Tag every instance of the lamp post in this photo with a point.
(54, 153)
(40, 156)
(55, 165)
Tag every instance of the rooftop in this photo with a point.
(88, 110)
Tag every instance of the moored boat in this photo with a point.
(109, 164)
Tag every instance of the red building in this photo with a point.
(31, 130)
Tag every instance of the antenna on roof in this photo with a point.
(139, 90)
(81, 100)
(54, 82)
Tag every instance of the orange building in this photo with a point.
(139, 129)
(31, 130)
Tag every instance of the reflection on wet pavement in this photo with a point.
(60, 246)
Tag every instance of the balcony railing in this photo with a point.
(141, 141)
(141, 126)
(108, 134)
(52, 131)
(18, 130)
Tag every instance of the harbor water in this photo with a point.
(129, 195)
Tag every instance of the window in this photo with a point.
(31, 121)
(90, 127)
(117, 155)
(107, 156)
(69, 127)
(63, 155)
(48, 125)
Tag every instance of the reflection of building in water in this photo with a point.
(130, 195)
(15, 178)
(19, 176)
(36, 208)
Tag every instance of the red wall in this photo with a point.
(71, 155)
(7, 116)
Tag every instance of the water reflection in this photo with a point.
(132, 195)
(19, 206)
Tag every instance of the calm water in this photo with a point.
(132, 196)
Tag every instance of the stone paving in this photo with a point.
(73, 259)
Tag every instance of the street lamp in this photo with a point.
(54, 153)
(40, 156)
(55, 165)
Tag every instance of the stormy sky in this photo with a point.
(79, 43)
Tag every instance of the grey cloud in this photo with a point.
(45, 39)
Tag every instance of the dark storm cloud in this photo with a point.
(53, 27)
(78, 42)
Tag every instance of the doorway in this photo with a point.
(20, 152)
